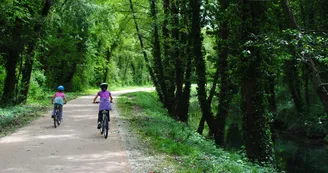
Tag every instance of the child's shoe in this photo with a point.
(99, 126)
(52, 116)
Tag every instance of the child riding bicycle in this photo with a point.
(105, 102)
(59, 99)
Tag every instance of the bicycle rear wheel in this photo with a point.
(102, 128)
(105, 132)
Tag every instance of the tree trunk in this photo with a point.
(108, 56)
(184, 101)
(159, 71)
(12, 58)
(256, 128)
(201, 125)
(294, 83)
(27, 73)
(8, 96)
(288, 14)
(320, 87)
(168, 57)
(28, 65)
(171, 60)
(183, 68)
(20, 71)
(272, 94)
(166, 35)
(306, 86)
(127, 62)
(224, 96)
(200, 64)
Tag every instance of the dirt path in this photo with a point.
(76, 146)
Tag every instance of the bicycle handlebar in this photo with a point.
(99, 102)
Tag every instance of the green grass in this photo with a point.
(120, 88)
(187, 150)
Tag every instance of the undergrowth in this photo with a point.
(187, 149)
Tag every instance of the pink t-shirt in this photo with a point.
(59, 98)
(60, 94)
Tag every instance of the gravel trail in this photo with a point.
(76, 146)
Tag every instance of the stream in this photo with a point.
(293, 154)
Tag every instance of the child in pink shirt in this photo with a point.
(59, 99)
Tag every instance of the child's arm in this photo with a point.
(94, 100)
(65, 99)
(111, 98)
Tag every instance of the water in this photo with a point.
(293, 154)
(296, 155)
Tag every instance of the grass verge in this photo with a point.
(189, 151)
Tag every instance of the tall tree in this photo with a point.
(22, 32)
(29, 60)
(224, 96)
(256, 128)
(199, 62)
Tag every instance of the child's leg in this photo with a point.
(108, 115)
(99, 120)
(60, 112)
(99, 116)
(53, 111)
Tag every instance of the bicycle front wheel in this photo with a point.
(55, 121)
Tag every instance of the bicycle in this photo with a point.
(104, 124)
(56, 116)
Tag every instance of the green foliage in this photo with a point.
(37, 86)
(83, 41)
(192, 151)
(2, 78)
(14, 117)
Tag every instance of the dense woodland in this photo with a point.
(264, 62)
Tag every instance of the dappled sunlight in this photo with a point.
(77, 110)
(93, 116)
(93, 157)
(15, 170)
(30, 135)
(21, 132)
(56, 136)
(13, 139)
(88, 97)
(93, 119)
(79, 105)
